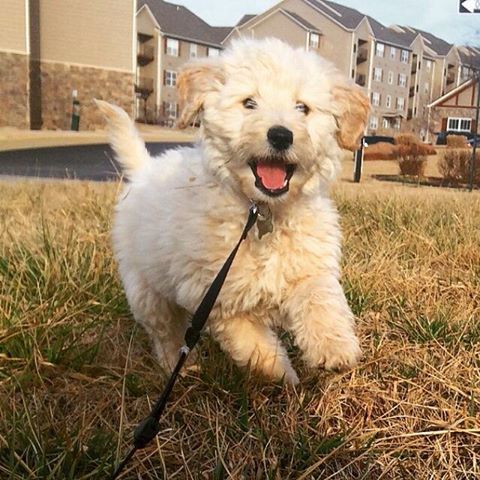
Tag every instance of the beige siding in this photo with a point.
(13, 26)
(91, 32)
(280, 26)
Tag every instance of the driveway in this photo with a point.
(82, 162)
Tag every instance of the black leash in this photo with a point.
(149, 427)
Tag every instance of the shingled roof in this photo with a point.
(346, 16)
(304, 23)
(244, 19)
(469, 56)
(179, 22)
(389, 35)
(438, 45)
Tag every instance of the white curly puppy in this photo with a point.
(274, 122)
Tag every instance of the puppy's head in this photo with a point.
(274, 119)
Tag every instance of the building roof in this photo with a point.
(469, 56)
(463, 86)
(244, 19)
(178, 21)
(388, 34)
(346, 16)
(438, 45)
(304, 23)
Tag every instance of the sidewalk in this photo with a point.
(15, 139)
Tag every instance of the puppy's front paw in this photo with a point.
(336, 353)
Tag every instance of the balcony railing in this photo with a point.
(144, 86)
(409, 114)
(412, 92)
(362, 55)
(145, 54)
(360, 79)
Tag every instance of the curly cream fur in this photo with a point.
(182, 212)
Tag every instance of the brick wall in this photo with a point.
(58, 80)
(14, 109)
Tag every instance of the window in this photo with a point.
(400, 103)
(385, 123)
(170, 78)
(170, 109)
(404, 56)
(388, 101)
(172, 47)
(373, 123)
(380, 50)
(393, 53)
(375, 99)
(426, 88)
(428, 65)
(377, 74)
(314, 40)
(213, 52)
(402, 80)
(193, 50)
(390, 77)
(459, 124)
(398, 123)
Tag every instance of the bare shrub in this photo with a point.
(381, 151)
(457, 141)
(454, 165)
(412, 159)
(406, 139)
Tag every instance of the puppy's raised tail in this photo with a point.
(129, 148)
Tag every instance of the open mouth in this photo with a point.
(272, 177)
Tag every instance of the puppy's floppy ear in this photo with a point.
(196, 80)
(352, 109)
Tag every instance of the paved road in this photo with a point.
(83, 162)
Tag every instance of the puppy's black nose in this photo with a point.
(280, 138)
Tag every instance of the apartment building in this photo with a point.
(375, 57)
(49, 49)
(402, 69)
(168, 35)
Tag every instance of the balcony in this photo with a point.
(412, 92)
(360, 79)
(144, 86)
(450, 78)
(145, 54)
(362, 55)
(410, 114)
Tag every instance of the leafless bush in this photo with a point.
(454, 165)
(457, 141)
(412, 158)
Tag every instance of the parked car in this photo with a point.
(442, 137)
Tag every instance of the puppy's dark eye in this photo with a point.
(250, 103)
(301, 107)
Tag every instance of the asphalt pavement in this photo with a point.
(83, 162)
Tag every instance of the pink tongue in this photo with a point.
(272, 175)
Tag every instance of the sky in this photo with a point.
(439, 17)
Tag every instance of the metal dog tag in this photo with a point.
(265, 220)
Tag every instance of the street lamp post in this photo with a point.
(475, 133)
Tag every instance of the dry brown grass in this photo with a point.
(457, 141)
(75, 369)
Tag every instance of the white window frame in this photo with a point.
(393, 53)
(380, 49)
(170, 78)
(426, 87)
(169, 111)
(376, 99)
(402, 80)
(390, 77)
(401, 103)
(213, 52)
(385, 123)
(314, 40)
(173, 47)
(388, 101)
(373, 123)
(193, 52)
(404, 56)
(377, 74)
(460, 121)
(398, 124)
(428, 65)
